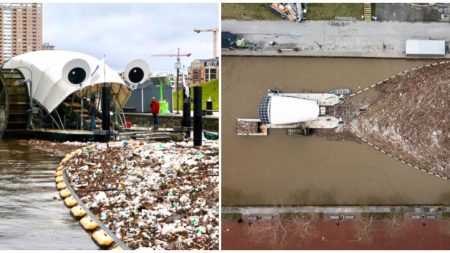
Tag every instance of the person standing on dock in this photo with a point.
(92, 114)
(155, 111)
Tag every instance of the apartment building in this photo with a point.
(202, 71)
(20, 29)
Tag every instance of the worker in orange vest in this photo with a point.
(155, 112)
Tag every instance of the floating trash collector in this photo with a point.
(299, 113)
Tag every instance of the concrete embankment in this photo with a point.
(334, 209)
(332, 38)
(313, 232)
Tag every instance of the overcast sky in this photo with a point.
(124, 31)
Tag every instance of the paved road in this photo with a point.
(334, 38)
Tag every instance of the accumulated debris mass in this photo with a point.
(152, 195)
(410, 118)
(54, 148)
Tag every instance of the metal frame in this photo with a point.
(49, 114)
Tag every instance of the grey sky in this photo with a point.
(124, 31)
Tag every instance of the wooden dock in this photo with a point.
(59, 135)
(251, 127)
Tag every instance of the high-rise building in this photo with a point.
(20, 29)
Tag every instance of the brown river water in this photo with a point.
(29, 216)
(286, 170)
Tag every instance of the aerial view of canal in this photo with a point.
(298, 170)
(31, 217)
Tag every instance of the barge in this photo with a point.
(298, 113)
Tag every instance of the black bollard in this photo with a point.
(209, 107)
(197, 116)
(106, 97)
(186, 120)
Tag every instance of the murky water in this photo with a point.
(285, 170)
(29, 217)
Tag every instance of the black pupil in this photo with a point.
(77, 75)
(136, 75)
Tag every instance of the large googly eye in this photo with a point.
(76, 71)
(77, 75)
(136, 75)
(137, 71)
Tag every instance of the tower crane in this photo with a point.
(214, 32)
(177, 66)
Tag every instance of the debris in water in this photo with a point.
(152, 195)
(410, 118)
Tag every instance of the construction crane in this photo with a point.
(214, 32)
(177, 66)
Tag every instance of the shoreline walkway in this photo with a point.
(333, 38)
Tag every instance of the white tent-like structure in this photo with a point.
(49, 88)
(281, 110)
(286, 110)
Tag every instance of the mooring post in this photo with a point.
(186, 120)
(209, 107)
(81, 109)
(197, 116)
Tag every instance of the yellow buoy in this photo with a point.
(78, 211)
(67, 158)
(59, 179)
(59, 168)
(61, 186)
(65, 193)
(70, 201)
(102, 238)
(88, 224)
(77, 152)
(58, 173)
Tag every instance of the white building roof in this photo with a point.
(44, 69)
(288, 110)
(425, 47)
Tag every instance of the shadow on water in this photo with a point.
(30, 218)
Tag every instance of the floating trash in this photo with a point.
(409, 119)
(152, 195)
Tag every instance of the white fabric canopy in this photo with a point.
(288, 110)
(44, 69)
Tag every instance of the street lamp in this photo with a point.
(178, 66)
